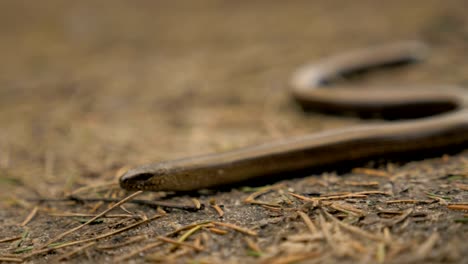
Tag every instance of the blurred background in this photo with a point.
(89, 88)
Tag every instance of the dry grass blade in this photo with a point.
(139, 251)
(461, 186)
(175, 242)
(371, 172)
(400, 218)
(128, 242)
(423, 250)
(92, 219)
(76, 251)
(191, 232)
(218, 210)
(410, 201)
(216, 207)
(348, 209)
(267, 204)
(217, 231)
(69, 214)
(272, 208)
(381, 253)
(251, 198)
(30, 216)
(10, 239)
(325, 230)
(308, 222)
(237, 228)
(371, 192)
(187, 227)
(10, 259)
(112, 200)
(354, 229)
(196, 203)
(335, 197)
(252, 245)
(304, 198)
(362, 184)
(95, 187)
(41, 251)
(339, 197)
(292, 258)
(461, 207)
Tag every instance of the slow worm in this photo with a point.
(443, 125)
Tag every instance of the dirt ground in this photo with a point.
(89, 89)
